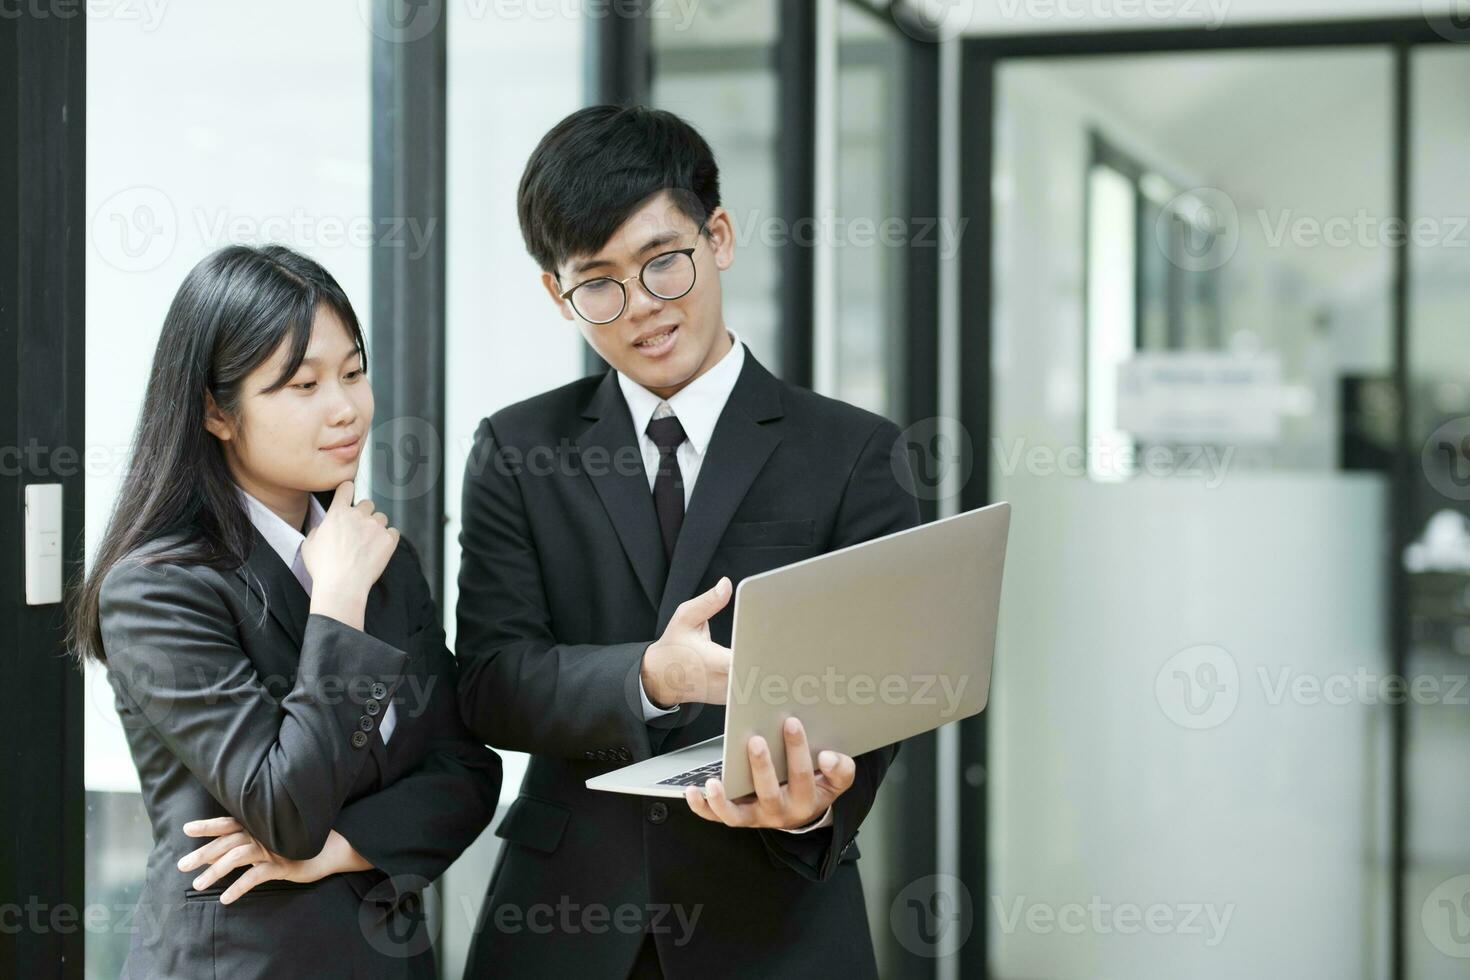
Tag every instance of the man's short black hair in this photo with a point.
(598, 165)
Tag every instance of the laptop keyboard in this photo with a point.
(694, 777)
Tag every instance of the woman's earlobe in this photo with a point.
(214, 420)
(217, 428)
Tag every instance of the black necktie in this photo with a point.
(668, 486)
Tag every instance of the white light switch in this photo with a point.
(43, 543)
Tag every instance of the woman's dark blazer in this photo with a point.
(237, 701)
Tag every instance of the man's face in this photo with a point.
(660, 344)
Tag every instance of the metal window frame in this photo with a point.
(913, 856)
(617, 70)
(980, 58)
(796, 148)
(409, 101)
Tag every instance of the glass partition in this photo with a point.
(1189, 756)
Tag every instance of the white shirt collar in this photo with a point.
(284, 539)
(698, 404)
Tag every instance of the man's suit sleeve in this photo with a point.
(875, 502)
(415, 828)
(518, 688)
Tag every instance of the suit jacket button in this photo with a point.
(372, 706)
(624, 754)
(658, 813)
(379, 691)
(365, 723)
(359, 739)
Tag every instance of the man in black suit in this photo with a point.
(605, 524)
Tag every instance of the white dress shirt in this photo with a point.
(697, 406)
(286, 541)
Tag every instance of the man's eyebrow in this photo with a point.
(663, 238)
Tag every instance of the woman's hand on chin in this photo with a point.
(345, 554)
(233, 847)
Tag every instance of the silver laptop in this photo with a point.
(867, 646)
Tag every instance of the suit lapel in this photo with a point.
(623, 488)
(273, 584)
(736, 453)
(276, 587)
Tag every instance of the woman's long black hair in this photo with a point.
(232, 312)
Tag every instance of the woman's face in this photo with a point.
(307, 436)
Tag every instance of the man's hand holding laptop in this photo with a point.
(685, 665)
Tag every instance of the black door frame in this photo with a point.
(979, 61)
(43, 234)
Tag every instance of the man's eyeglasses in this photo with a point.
(666, 276)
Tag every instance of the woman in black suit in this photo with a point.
(274, 650)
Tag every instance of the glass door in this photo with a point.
(1192, 369)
